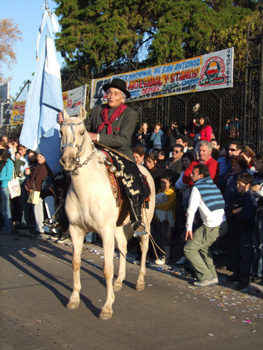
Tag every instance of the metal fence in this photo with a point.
(218, 105)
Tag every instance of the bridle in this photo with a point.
(72, 144)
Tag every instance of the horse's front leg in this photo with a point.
(140, 285)
(122, 246)
(77, 237)
(108, 248)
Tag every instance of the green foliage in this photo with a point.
(101, 37)
(236, 36)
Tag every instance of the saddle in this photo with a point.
(116, 172)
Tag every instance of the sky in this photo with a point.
(27, 14)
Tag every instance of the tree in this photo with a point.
(235, 36)
(101, 37)
(9, 35)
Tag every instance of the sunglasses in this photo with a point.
(232, 149)
(175, 151)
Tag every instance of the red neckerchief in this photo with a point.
(116, 114)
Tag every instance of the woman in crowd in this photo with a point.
(3, 144)
(206, 131)
(12, 147)
(138, 154)
(171, 135)
(250, 157)
(143, 137)
(6, 173)
(40, 172)
(150, 162)
(161, 157)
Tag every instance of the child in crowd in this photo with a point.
(165, 212)
(185, 190)
(19, 163)
(243, 210)
(157, 136)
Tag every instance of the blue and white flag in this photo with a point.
(40, 130)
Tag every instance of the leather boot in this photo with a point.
(138, 225)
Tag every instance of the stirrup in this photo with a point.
(139, 229)
(50, 223)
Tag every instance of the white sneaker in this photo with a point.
(206, 283)
(215, 280)
(181, 261)
(160, 261)
(63, 240)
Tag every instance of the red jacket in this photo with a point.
(212, 165)
(206, 133)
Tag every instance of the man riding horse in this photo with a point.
(113, 125)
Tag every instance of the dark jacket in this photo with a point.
(230, 193)
(40, 172)
(248, 203)
(175, 169)
(123, 128)
(156, 173)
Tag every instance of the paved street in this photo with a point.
(36, 282)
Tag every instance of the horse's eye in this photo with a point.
(82, 132)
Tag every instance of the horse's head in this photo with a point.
(73, 139)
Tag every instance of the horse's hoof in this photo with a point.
(72, 305)
(140, 287)
(105, 314)
(117, 287)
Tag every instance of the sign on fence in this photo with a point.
(207, 72)
(12, 113)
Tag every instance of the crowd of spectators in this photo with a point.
(32, 171)
(171, 158)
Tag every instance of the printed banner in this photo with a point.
(73, 99)
(18, 112)
(207, 72)
(12, 113)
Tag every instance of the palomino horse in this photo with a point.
(91, 206)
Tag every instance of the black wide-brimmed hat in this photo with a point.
(117, 84)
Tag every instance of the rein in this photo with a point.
(75, 171)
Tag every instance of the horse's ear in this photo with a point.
(66, 116)
(82, 113)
